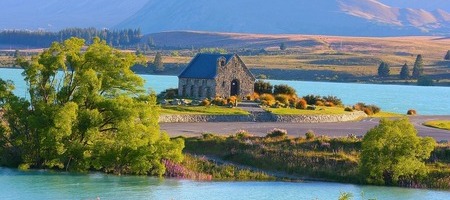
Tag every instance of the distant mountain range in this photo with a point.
(325, 17)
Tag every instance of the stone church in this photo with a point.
(212, 75)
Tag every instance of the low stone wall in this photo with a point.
(204, 118)
(262, 117)
(351, 116)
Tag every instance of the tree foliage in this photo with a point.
(122, 38)
(404, 72)
(262, 87)
(158, 63)
(425, 81)
(87, 110)
(383, 70)
(447, 55)
(283, 46)
(392, 152)
(418, 67)
(284, 89)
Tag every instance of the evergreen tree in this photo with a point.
(447, 56)
(158, 63)
(283, 46)
(383, 70)
(418, 67)
(404, 73)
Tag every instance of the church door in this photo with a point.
(234, 88)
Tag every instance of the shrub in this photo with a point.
(277, 133)
(170, 93)
(319, 103)
(232, 100)
(284, 89)
(348, 109)
(282, 98)
(313, 107)
(242, 134)
(268, 99)
(301, 104)
(205, 102)
(262, 87)
(253, 97)
(329, 104)
(312, 99)
(310, 135)
(219, 101)
(333, 99)
(368, 109)
(411, 112)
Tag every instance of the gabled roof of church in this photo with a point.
(204, 66)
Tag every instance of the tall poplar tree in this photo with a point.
(418, 67)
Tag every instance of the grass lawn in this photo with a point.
(440, 124)
(387, 115)
(320, 110)
(202, 110)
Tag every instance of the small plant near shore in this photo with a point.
(310, 135)
(348, 109)
(277, 133)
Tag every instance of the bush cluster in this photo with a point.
(411, 112)
(368, 109)
(277, 133)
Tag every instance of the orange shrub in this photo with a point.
(219, 101)
(329, 104)
(268, 99)
(301, 104)
(282, 98)
(205, 102)
(319, 103)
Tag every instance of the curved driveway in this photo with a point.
(299, 129)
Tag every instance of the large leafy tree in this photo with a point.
(392, 151)
(87, 110)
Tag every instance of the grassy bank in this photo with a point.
(440, 124)
(320, 110)
(320, 158)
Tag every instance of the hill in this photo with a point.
(331, 17)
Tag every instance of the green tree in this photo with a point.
(418, 67)
(404, 72)
(447, 55)
(283, 46)
(262, 87)
(383, 70)
(425, 81)
(158, 63)
(283, 89)
(87, 110)
(392, 151)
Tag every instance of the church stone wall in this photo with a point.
(234, 70)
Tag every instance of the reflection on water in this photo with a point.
(41, 184)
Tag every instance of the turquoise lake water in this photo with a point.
(42, 184)
(392, 98)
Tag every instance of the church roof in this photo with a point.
(204, 66)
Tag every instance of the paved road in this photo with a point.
(299, 129)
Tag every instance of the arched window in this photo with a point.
(183, 91)
(208, 92)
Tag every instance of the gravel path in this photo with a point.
(299, 129)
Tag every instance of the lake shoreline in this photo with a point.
(288, 73)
